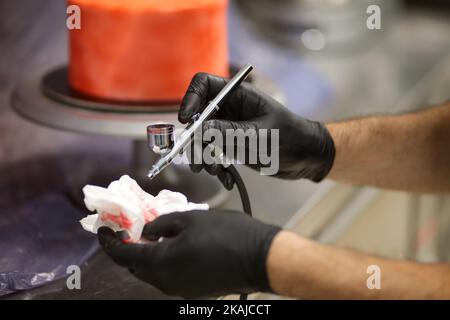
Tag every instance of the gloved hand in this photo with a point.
(202, 253)
(306, 149)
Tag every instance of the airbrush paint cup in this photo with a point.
(161, 137)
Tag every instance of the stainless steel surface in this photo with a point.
(186, 136)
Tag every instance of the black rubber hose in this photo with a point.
(241, 188)
(244, 199)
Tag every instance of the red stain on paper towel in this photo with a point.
(121, 219)
(150, 215)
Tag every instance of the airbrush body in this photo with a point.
(162, 141)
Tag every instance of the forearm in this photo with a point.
(304, 269)
(409, 152)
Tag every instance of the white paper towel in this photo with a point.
(125, 206)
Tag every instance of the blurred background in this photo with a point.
(325, 64)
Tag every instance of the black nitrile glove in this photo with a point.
(306, 149)
(202, 253)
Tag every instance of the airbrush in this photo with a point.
(161, 137)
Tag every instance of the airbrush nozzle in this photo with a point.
(152, 173)
(159, 166)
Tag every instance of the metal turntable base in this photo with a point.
(46, 99)
(55, 86)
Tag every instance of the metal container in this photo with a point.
(161, 137)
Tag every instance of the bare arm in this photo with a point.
(301, 268)
(410, 152)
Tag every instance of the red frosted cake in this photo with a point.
(146, 50)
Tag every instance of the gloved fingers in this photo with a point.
(166, 226)
(143, 275)
(154, 279)
(125, 255)
(203, 88)
(197, 160)
(212, 169)
(197, 164)
(243, 136)
(226, 178)
(194, 154)
(221, 125)
(196, 168)
(228, 127)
